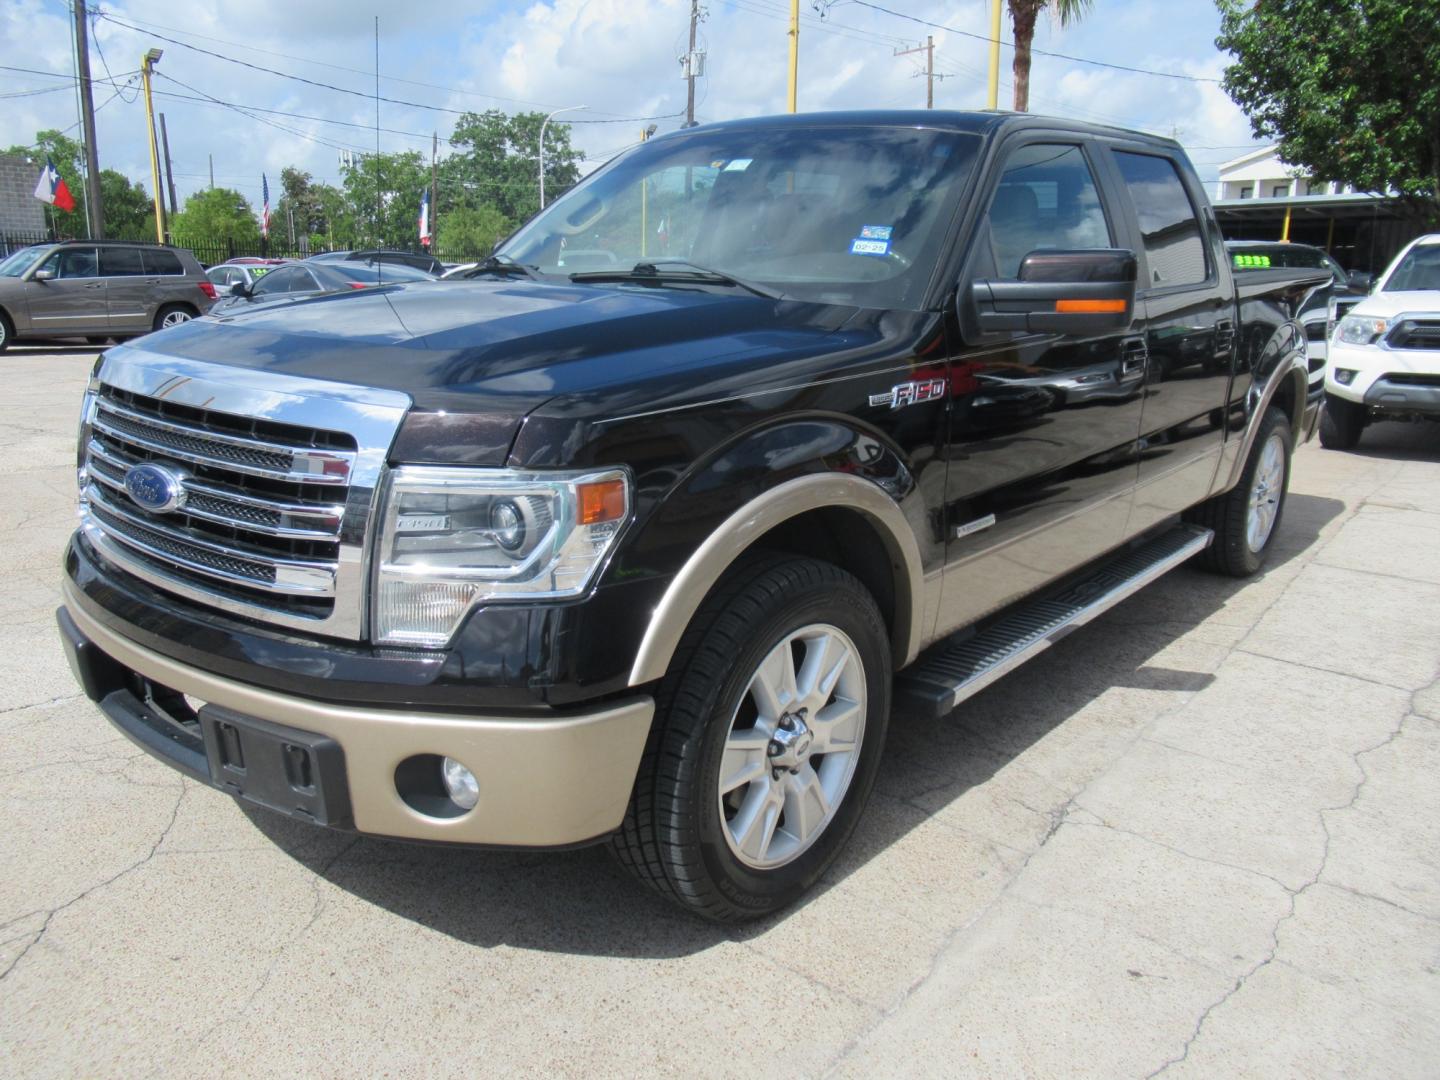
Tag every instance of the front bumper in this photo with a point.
(549, 781)
(1401, 380)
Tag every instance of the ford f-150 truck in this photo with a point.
(638, 535)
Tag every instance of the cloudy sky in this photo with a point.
(616, 57)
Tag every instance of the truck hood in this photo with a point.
(493, 351)
(1393, 303)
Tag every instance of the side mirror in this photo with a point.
(1088, 291)
(42, 275)
(239, 289)
(1360, 281)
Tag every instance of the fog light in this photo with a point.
(1345, 376)
(460, 783)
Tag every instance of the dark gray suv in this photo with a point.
(99, 289)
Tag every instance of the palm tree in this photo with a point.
(1023, 14)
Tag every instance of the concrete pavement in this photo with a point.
(1201, 838)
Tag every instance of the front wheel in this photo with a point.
(1341, 423)
(1246, 518)
(767, 737)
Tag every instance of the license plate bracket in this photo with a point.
(298, 773)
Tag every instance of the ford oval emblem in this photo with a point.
(155, 488)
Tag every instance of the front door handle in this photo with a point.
(1224, 335)
(96, 285)
(1132, 358)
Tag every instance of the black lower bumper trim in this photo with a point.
(298, 773)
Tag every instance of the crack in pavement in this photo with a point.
(50, 913)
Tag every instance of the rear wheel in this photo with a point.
(173, 315)
(1341, 423)
(1246, 518)
(767, 737)
(7, 332)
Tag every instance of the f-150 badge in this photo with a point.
(910, 393)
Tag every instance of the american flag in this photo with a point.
(265, 211)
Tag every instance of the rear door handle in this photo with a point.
(1224, 335)
(96, 285)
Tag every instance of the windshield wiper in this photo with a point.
(503, 264)
(660, 271)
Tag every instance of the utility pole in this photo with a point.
(995, 6)
(147, 65)
(929, 50)
(212, 171)
(87, 117)
(694, 64)
(169, 175)
(795, 51)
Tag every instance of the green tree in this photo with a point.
(1023, 15)
(129, 213)
(470, 232)
(214, 215)
(383, 198)
(311, 204)
(1349, 88)
(496, 160)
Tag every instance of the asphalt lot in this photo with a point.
(1200, 838)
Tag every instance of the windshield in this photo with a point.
(1418, 271)
(844, 215)
(22, 260)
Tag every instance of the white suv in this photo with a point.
(1385, 352)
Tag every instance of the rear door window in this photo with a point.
(120, 262)
(1169, 225)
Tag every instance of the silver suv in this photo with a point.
(99, 289)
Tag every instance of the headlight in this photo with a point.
(454, 538)
(1360, 329)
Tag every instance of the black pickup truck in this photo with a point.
(639, 535)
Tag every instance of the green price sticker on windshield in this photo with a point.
(1252, 262)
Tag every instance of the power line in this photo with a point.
(345, 90)
(1038, 52)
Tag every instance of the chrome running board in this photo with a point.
(950, 671)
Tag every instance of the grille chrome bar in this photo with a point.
(298, 577)
(254, 508)
(254, 457)
(226, 507)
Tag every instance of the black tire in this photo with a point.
(96, 340)
(1228, 514)
(7, 332)
(1341, 423)
(172, 310)
(674, 836)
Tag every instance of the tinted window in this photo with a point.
(1046, 199)
(373, 274)
(120, 262)
(160, 261)
(277, 281)
(1174, 242)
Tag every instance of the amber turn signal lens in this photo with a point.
(1089, 307)
(604, 501)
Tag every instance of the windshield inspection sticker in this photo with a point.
(875, 232)
(869, 247)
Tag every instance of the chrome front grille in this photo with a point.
(278, 475)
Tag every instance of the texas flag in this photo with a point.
(52, 189)
(425, 218)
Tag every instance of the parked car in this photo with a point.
(646, 555)
(99, 289)
(1344, 288)
(419, 260)
(1385, 352)
(296, 281)
(241, 271)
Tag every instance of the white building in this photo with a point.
(1261, 174)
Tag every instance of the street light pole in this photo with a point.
(147, 64)
(543, 126)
